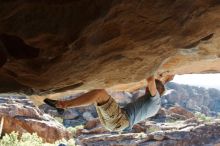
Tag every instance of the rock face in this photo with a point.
(166, 134)
(181, 111)
(195, 99)
(21, 115)
(56, 46)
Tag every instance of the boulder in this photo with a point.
(22, 116)
(70, 114)
(137, 128)
(88, 116)
(92, 123)
(181, 111)
(159, 135)
(73, 122)
(168, 134)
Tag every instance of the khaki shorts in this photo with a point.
(112, 116)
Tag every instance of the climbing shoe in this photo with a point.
(53, 103)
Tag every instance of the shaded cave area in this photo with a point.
(57, 46)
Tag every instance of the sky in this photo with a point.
(201, 80)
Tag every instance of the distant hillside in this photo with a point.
(192, 98)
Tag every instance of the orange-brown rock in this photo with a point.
(92, 123)
(22, 116)
(181, 111)
(86, 44)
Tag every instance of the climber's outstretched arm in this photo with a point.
(152, 85)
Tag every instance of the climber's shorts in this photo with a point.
(112, 116)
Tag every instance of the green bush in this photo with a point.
(60, 120)
(153, 129)
(28, 139)
(202, 117)
(171, 120)
(74, 129)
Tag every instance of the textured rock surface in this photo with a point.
(192, 98)
(90, 44)
(167, 134)
(21, 115)
(181, 111)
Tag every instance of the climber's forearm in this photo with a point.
(152, 85)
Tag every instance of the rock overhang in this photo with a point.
(98, 44)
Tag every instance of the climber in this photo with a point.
(110, 114)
